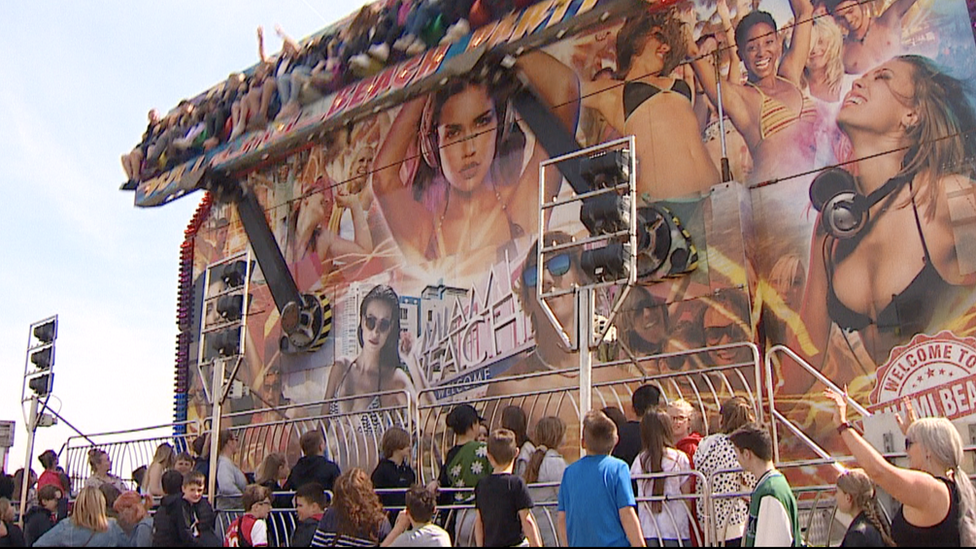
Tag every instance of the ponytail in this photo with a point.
(874, 514)
(857, 484)
(967, 507)
(549, 433)
(535, 463)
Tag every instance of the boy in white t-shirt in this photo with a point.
(414, 528)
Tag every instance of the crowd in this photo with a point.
(381, 34)
(492, 489)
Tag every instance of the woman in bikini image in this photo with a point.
(655, 107)
(476, 185)
(907, 122)
(377, 368)
(770, 111)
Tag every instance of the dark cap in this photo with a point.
(462, 418)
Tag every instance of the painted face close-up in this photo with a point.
(559, 274)
(789, 286)
(359, 171)
(376, 325)
(818, 53)
(649, 323)
(653, 56)
(850, 15)
(880, 100)
(721, 330)
(466, 135)
(763, 51)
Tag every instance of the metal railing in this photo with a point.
(352, 438)
(706, 387)
(128, 449)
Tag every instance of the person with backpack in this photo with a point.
(251, 529)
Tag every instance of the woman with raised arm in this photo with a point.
(769, 110)
(907, 120)
(655, 107)
(937, 497)
(476, 186)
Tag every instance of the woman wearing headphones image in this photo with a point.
(475, 187)
(886, 253)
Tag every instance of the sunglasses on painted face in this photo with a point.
(372, 322)
(558, 265)
(715, 334)
(908, 443)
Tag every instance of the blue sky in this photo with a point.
(78, 81)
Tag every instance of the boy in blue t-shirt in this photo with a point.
(596, 499)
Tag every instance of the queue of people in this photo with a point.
(595, 500)
(381, 34)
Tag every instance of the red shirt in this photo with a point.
(50, 478)
(253, 531)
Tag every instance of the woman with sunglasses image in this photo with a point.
(724, 320)
(476, 184)
(561, 271)
(645, 322)
(770, 110)
(909, 122)
(377, 368)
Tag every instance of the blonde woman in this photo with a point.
(87, 527)
(937, 497)
(162, 462)
(824, 70)
(101, 465)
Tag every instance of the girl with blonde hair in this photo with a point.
(857, 497)
(87, 527)
(101, 465)
(163, 461)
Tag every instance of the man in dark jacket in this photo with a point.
(41, 518)
(312, 466)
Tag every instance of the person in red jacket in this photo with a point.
(685, 425)
(251, 530)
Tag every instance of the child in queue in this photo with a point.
(596, 499)
(504, 506)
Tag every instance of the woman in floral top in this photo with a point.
(466, 464)
(716, 453)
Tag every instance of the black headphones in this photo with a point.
(844, 211)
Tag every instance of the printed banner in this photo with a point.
(849, 230)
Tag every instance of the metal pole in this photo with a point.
(25, 478)
(726, 168)
(584, 325)
(218, 390)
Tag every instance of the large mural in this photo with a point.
(849, 233)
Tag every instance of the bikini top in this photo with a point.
(909, 310)
(636, 93)
(775, 116)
